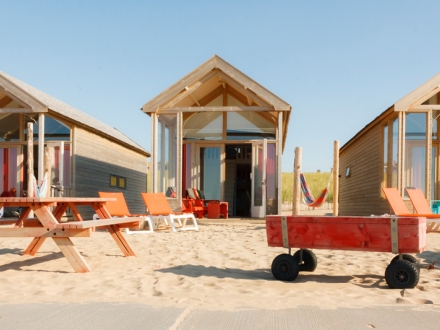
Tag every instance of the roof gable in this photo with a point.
(214, 75)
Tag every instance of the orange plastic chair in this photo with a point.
(119, 208)
(159, 209)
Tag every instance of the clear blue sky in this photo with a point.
(339, 64)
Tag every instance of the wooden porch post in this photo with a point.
(336, 179)
(296, 181)
(30, 159)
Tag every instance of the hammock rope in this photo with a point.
(308, 198)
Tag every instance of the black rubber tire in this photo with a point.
(309, 260)
(407, 257)
(402, 274)
(285, 268)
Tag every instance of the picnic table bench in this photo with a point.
(46, 224)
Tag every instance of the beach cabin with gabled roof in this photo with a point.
(399, 148)
(219, 131)
(83, 155)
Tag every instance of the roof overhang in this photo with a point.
(414, 99)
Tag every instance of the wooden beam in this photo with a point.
(194, 98)
(15, 110)
(5, 101)
(211, 96)
(28, 101)
(204, 109)
(186, 92)
(244, 90)
(425, 107)
(44, 232)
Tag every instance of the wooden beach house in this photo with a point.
(399, 148)
(83, 155)
(219, 131)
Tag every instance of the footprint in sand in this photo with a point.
(156, 293)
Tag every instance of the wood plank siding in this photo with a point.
(95, 158)
(360, 193)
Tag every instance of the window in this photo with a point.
(118, 181)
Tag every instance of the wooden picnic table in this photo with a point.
(49, 211)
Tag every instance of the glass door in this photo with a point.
(259, 179)
(211, 162)
(10, 162)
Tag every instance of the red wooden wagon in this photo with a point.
(398, 235)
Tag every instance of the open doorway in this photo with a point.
(238, 179)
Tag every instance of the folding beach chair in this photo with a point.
(399, 208)
(119, 208)
(159, 209)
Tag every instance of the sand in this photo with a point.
(219, 267)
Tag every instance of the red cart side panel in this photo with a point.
(348, 233)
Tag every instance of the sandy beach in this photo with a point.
(222, 266)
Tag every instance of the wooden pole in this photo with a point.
(30, 159)
(296, 181)
(336, 179)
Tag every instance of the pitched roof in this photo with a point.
(210, 78)
(41, 102)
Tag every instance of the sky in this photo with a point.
(339, 64)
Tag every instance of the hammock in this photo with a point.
(308, 198)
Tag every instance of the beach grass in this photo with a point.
(316, 181)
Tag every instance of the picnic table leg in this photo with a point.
(59, 210)
(126, 249)
(23, 216)
(35, 245)
(121, 241)
(72, 255)
(46, 217)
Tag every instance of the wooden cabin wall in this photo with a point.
(95, 158)
(360, 193)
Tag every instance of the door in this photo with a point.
(211, 163)
(59, 179)
(10, 162)
(259, 179)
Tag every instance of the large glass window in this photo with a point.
(167, 154)
(249, 126)
(415, 151)
(204, 126)
(9, 127)
(54, 130)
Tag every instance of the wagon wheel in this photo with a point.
(406, 257)
(309, 260)
(402, 274)
(285, 267)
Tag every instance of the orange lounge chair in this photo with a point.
(399, 208)
(159, 209)
(119, 208)
(421, 206)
